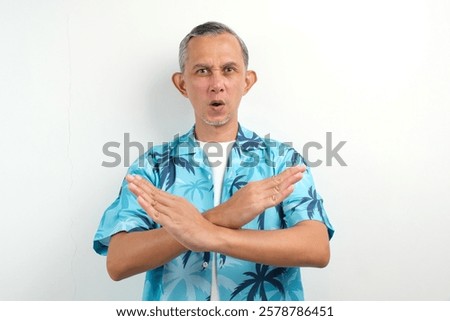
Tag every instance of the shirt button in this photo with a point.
(205, 265)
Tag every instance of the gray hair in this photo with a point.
(209, 29)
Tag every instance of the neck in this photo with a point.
(208, 133)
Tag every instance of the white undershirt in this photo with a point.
(217, 153)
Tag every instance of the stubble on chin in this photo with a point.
(216, 123)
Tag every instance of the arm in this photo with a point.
(136, 252)
(305, 244)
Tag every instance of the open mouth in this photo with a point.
(217, 103)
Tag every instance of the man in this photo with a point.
(234, 223)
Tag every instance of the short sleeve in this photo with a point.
(125, 214)
(304, 203)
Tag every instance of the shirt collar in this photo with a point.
(245, 139)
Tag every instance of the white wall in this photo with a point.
(77, 74)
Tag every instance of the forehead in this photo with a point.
(213, 48)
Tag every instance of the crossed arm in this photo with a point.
(217, 230)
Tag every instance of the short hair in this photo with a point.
(210, 28)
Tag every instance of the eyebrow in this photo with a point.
(201, 66)
(206, 66)
(230, 64)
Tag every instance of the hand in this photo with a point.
(189, 227)
(178, 216)
(254, 198)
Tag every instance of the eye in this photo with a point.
(229, 69)
(202, 71)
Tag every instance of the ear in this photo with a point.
(250, 79)
(178, 81)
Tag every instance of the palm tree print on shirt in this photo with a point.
(188, 280)
(314, 202)
(248, 143)
(187, 255)
(165, 164)
(296, 159)
(197, 187)
(239, 182)
(257, 280)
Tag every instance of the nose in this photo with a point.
(217, 84)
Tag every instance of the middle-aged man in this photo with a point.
(219, 213)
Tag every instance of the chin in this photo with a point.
(216, 123)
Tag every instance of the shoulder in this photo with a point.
(277, 150)
(161, 153)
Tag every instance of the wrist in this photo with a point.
(218, 216)
(219, 239)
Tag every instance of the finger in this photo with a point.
(143, 187)
(276, 180)
(287, 187)
(153, 207)
(290, 171)
(297, 174)
(285, 183)
(139, 192)
(285, 193)
(144, 184)
(136, 190)
(151, 211)
(277, 198)
(165, 198)
(150, 193)
(291, 180)
(148, 207)
(133, 185)
(289, 176)
(163, 209)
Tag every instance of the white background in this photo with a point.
(75, 75)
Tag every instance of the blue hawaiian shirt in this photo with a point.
(181, 168)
